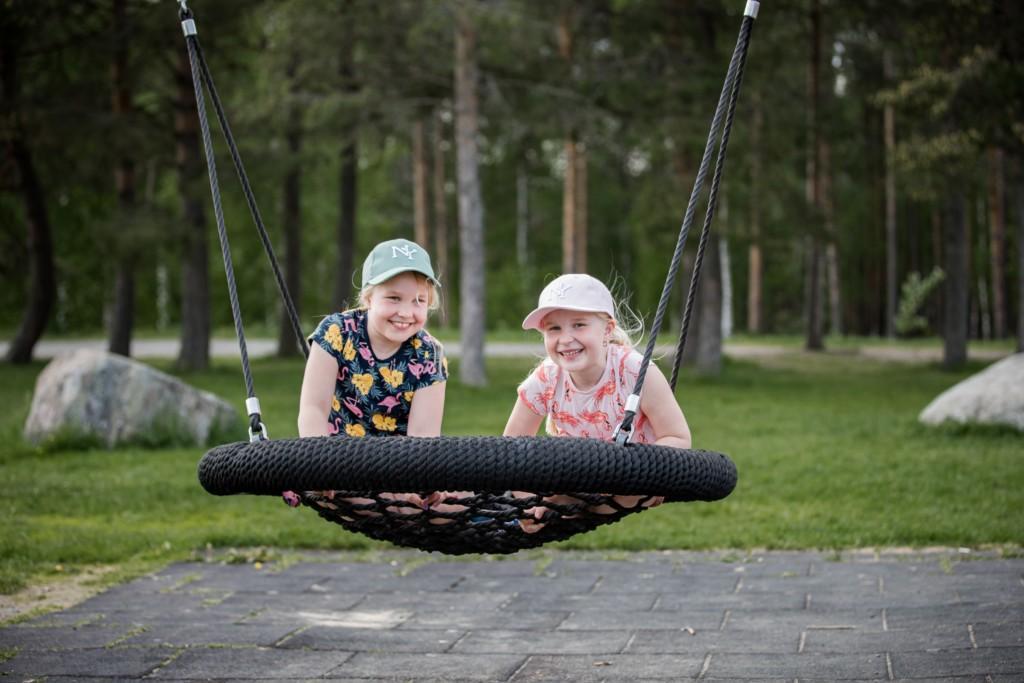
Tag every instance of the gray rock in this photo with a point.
(114, 400)
(994, 396)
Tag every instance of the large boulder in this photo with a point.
(994, 396)
(94, 395)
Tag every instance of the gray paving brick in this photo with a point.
(243, 603)
(1006, 634)
(550, 643)
(996, 660)
(250, 664)
(696, 600)
(757, 619)
(600, 620)
(925, 616)
(513, 621)
(440, 666)
(898, 640)
(312, 616)
(824, 601)
(61, 637)
(584, 669)
(185, 634)
(701, 642)
(826, 666)
(128, 662)
(373, 640)
(612, 602)
(492, 567)
(543, 585)
(422, 601)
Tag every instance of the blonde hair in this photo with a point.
(629, 327)
(433, 293)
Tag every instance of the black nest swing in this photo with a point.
(491, 483)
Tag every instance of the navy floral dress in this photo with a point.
(372, 396)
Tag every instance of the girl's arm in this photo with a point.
(522, 421)
(427, 410)
(663, 411)
(317, 392)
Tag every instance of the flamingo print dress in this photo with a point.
(372, 396)
(593, 414)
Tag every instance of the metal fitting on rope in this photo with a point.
(624, 431)
(188, 24)
(751, 9)
(257, 430)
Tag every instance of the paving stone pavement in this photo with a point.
(941, 615)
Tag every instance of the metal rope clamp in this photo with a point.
(188, 24)
(623, 434)
(252, 406)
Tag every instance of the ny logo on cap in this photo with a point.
(405, 250)
(561, 290)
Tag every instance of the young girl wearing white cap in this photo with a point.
(374, 370)
(590, 370)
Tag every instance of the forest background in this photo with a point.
(874, 142)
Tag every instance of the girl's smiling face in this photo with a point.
(396, 310)
(576, 342)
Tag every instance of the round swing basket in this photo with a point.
(498, 494)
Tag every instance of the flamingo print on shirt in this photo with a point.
(595, 413)
(372, 397)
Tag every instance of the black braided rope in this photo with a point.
(726, 101)
(733, 82)
(343, 479)
(218, 212)
(250, 198)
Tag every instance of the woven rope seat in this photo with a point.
(350, 482)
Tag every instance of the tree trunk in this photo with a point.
(755, 265)
(421, 217)
(346, 236)
(522, 215)
(344, 268)
(472, 314)
(291, 222)
(569, 204)
(195, 276)
(835, 297)
(957, 283)
(812, 296)
(580, 215)
(42, 288)
(1019, 194)
(1020, 256)
(997, 241)
(724, 267)
(891, 284)
(574, 192)
(123, 313)
(709, 335)
(440, 215)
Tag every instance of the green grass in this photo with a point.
(828, 449)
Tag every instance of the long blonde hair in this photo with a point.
(629, 327)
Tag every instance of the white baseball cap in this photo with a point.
(572, 292)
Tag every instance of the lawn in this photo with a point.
(828, 449)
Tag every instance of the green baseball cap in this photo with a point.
(390, 258)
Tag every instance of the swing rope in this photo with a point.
(726, 103)
(201, 74)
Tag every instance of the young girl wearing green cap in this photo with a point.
(374, 370)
